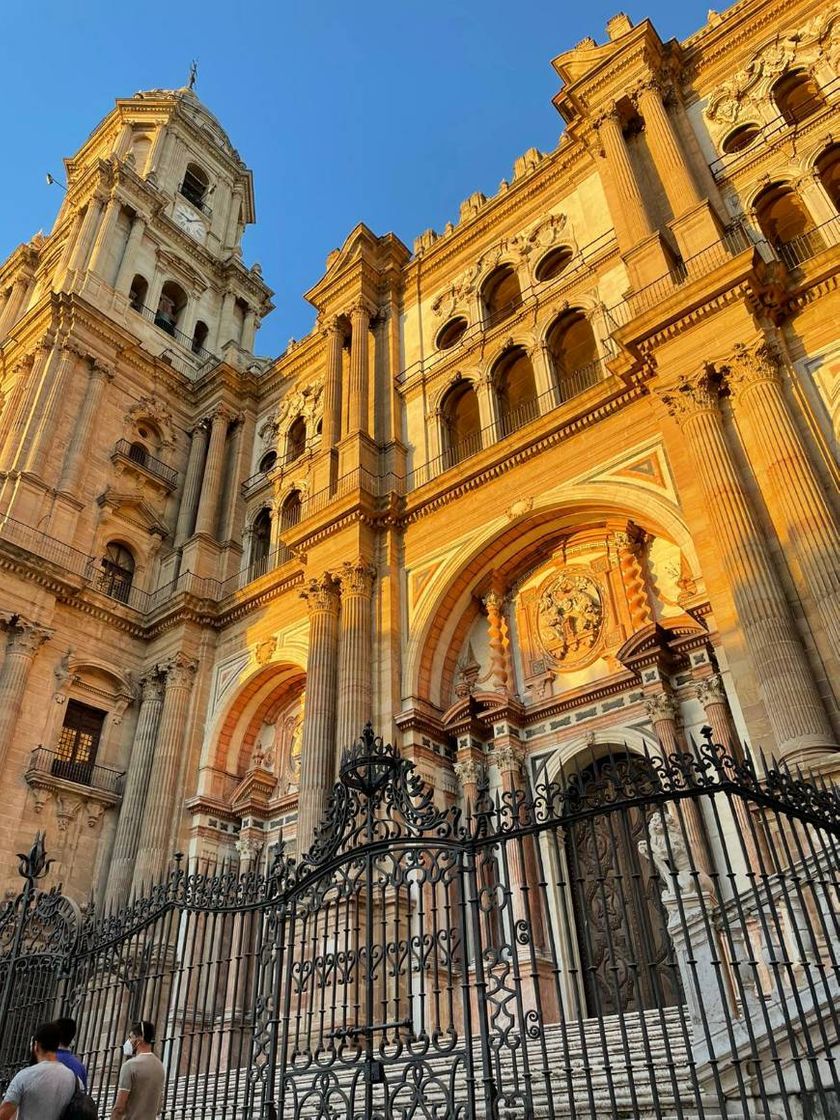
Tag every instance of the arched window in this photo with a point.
(786, 224)
(739, 138)
(173, 300)
(828, 170)
(554, 263)
(194, 186)
(461, 423)
(501, 295)
(573, 351)
(797, 96)
(117, 572)
(260, 543)
(137, 293)
(290, 510)
(199, 336)
(451, 333)
(138, 453)
(296, 440)
(267, 462)
(516, 390)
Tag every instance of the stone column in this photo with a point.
(357, 390)
(331, 428)
(249, 329)
(712, 695)
(192, 482)
(126, 270)
(784, 677)
(208, 502)
(136, 784)
(662, 711)
(318, 755)
(794, 496)
(10, 312)
(23, 640)
(666, 150)
(161, 810)
(81, 250)
(631, 219)
(105, 233)
(630, 546)
(225, 319)
(494, 604)
(38, 439)
(25, 373)
(521, 854)
(76, 457)
(355, 692)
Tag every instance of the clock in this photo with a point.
(190, 222)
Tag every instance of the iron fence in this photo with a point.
(632, 936)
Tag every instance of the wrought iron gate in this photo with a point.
(637, 937)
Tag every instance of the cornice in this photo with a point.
(568, 158)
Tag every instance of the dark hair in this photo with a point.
(145, 1030)
(66, 1031)
(47, 1037)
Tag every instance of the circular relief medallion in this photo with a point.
(570, 617)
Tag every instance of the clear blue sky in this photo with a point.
(389, 113)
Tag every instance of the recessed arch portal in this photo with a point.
(451, 600)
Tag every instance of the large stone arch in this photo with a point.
(231, 738)
(449, 601)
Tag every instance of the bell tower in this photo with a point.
(151, 228)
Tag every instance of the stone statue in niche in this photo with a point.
(295, 744)
(263, 756)
(570, 616)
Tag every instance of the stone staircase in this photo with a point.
(635, 1065)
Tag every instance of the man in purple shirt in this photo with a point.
(66, 1034)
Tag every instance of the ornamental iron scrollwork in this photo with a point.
(620, 935)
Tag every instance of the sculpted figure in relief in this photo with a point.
(570, 615)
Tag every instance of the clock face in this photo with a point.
(190, 222)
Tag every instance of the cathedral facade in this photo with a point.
(558, 479)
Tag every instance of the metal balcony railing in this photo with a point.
(138, 454)
(90, 774)
(168, 327)
(808, 245)
(767, 134)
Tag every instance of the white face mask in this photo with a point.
(128, 1048)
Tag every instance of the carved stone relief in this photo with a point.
(570, 617)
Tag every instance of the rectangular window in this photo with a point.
(78, 742)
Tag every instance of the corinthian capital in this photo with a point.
(509, 758)
(356, 577)
(321, 594)
(25, 637)
(469, 772)
(711, 691)
(690, 396)
(750, 365)
(180, 671)
(661, 707)
(152, 685)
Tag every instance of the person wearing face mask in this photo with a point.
(41, 1091)
(142, 1077)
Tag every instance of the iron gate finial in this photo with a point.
(369, 763)
(34, 863)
